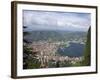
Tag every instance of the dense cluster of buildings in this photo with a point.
(46, 52)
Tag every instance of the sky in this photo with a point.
(51, 20)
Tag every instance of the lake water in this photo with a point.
(74, 50)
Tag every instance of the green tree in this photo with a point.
(30, 61)
(87, 52)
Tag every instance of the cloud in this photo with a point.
(56, 20)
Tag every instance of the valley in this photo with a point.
(51, 50)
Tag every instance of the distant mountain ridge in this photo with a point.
(36, 27)
(59, 35)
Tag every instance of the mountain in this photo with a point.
(59, 35)
(36, 27)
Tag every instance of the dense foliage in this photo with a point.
(87, 52)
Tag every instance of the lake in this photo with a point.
(74, 50)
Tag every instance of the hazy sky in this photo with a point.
(45, 20)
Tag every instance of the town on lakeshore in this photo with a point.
(45, 53)
(53, 39)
